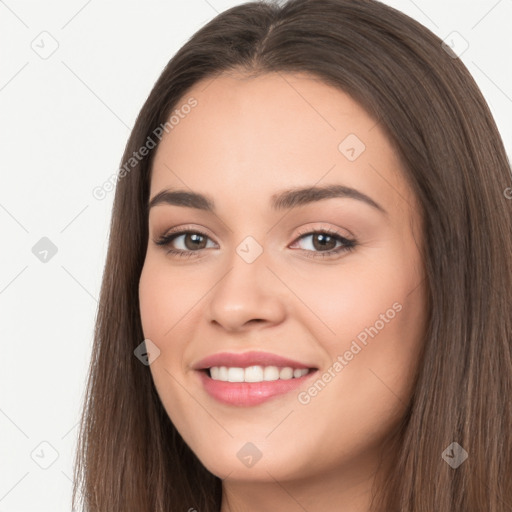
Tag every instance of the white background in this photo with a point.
(63, 126)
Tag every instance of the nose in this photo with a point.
(247, 295)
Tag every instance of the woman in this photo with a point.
(306, 300)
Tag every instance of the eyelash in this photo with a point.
(349, 244)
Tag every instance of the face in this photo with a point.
(325, 287)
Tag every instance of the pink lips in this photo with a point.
(245, 359)
(248, 393)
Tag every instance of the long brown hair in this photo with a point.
(130, 457)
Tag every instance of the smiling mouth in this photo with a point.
(252, 385)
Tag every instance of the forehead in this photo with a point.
(261, 134)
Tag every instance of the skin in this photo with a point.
(247, 139)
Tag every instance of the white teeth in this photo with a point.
(270, 373)
(223, 373)
(286, 373)
(255, 373)
(236, 374)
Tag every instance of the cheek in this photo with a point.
(375, 350)
(166, 298)
(365, 298)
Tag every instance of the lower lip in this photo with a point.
(249, 393)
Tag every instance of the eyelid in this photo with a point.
(187, 228)
(313, 226)
(304, 230)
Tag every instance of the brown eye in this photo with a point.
(323, 243)
(194, 241)
(189, 242)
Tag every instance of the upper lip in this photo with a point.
(245, 359)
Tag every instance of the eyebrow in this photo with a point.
(282, 200)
